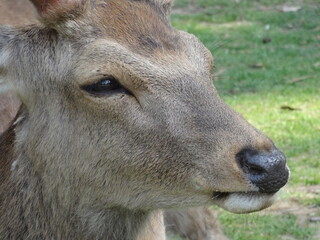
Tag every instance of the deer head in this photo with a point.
(119, 110)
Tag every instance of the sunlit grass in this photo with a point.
(261, 227)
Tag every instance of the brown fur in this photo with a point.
(17, 12)
(86, 167)
(7, 154)
(194, 224)
(8, 109)
(146, 37)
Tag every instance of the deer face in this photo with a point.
(120, 111)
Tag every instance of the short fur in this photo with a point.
(194, 224)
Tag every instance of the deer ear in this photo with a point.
(54, 10)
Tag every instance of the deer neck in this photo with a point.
(24, 202)
(115, 223)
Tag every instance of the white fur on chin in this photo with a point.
(246, 202)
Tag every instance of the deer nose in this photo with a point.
(267, 171)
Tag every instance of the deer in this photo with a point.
(191, 224)
(119, 121)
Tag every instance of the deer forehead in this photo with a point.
(107, 57)
(136, 24)
(145, 31)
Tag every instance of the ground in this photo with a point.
(267, 55)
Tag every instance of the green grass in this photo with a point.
(289, 76)
(254, 226)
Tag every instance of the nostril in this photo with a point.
(249, 164)
(254, 169)
(267, 171)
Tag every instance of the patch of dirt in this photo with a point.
(292, 205)
(234, 24)
(290, 6)
(190, 9)
(317, 235)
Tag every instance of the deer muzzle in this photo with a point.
(267, 171)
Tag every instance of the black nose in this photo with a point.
(267, 171)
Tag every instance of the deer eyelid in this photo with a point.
(104, 87)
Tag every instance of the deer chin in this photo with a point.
(244, 202)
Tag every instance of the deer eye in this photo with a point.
(106, 86)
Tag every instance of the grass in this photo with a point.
(275, 85)
(265, 227)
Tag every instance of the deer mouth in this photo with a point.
(243, 202)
